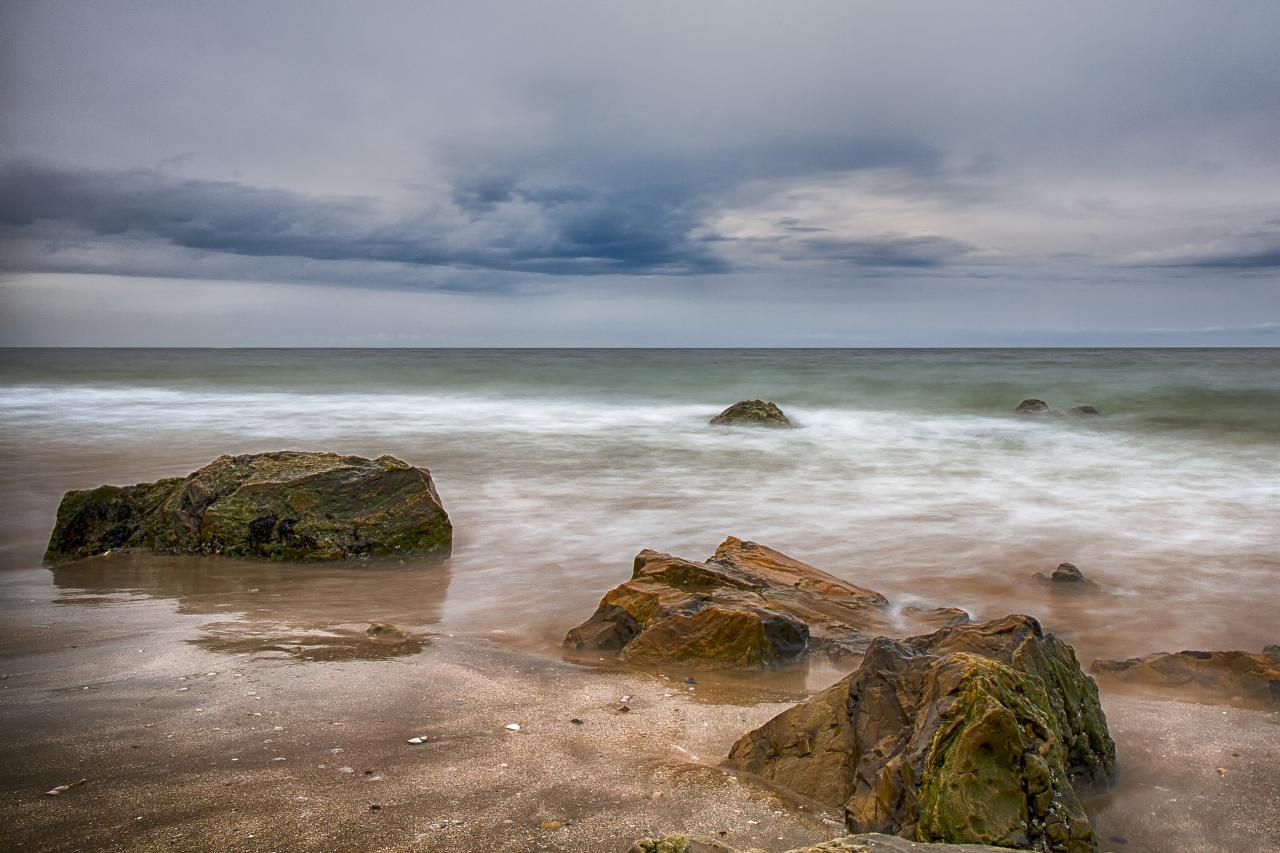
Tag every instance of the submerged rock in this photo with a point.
(1232, 675)
(938, 617)
(1083, 410)
(975, 733)
(872, 842)
(747, 605)
(1067, 576)
(752, 413)
(284, 505)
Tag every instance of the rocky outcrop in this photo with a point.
(746, 606)
(975, 733)
(1236, 677)
(752, 413)
(872, 842)
(1040, 407)
(1067, 577)
(279, 506)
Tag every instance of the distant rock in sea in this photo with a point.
(285, 505)
(752, 413)
(972, 734)
(1233, 677)
(1033, 406)
(746, 606)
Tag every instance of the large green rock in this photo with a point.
(976, 733)
(746, 606)
(285, 505)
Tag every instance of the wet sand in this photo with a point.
(204, 701)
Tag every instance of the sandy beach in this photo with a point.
(195, 728)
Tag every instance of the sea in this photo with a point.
(907, 472)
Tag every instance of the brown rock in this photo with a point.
(1234, 677)
(747, 605)
(1083, 410)
(976, 733)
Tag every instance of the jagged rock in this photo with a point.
(752, 413)
(1247, 677)
(872, 842)
(747, 605)
(938, 617)
(1067, 576)
(285, 505)
(1033, 407)
(975, 733)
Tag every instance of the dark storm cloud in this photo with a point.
(495, 225)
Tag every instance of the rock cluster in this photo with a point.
(975, 733)
(747, 605)
(284, 505)
(1033, 406)
(1248, 677)
(752, 413)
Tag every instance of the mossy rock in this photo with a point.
(285, 505)
(979, 734)
(752, 413)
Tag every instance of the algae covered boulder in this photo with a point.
(1237, 677)
(752, 413)
(284, 505)
(976, 733)
(747, 605)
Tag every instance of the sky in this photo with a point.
(640, 174)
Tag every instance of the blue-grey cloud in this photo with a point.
(489, 224)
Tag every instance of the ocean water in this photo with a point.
(907, 473)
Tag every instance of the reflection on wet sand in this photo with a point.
(288, 611)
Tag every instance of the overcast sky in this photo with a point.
(650, 174)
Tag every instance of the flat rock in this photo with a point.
(975, 733)
(871, 842)
(752, 413)
(1238, 677)
(747, 605)
(285, 505)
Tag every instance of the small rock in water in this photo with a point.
(752, 413)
